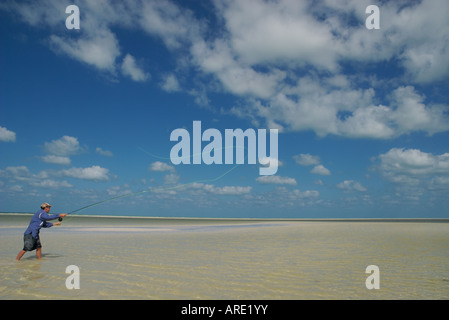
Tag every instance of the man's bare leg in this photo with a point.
(20, 255)
(39, 253)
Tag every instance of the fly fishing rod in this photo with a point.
(150, 190)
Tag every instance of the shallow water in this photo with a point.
(226, 259)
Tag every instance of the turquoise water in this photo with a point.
(163, 258)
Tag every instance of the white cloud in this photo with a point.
(306, 194)
(95, 44)
(412, 166)
(414, 33)
(280, 34)
(23, 174)
(94, 173)
(411, 114)
(130, 68)
(50, 183)
(118, 190)
(56, 160)
(439, 182)
(105, 153)
(174, 25)
(7, 135)
(20, 173)
(64, 146)
(321, 170)
(171, 178)
(100, 49)
(305, 159)
(225, 190)
(276, 180)
(281, 31)
(351, 185)
(238, 79)
(37, 13)
(273, 33)
(270, 53)
(311, 105)
(283, 195)
(230, 190)
(17, 188)
(160, 166)
(170, 83)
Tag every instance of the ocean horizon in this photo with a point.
(355, 219)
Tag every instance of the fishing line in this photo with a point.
(155, 189)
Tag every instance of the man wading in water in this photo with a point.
(39, 220)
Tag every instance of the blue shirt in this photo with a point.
(38, 221)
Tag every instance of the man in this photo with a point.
(31, 236)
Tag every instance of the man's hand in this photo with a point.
(62, 215)
(57, 223)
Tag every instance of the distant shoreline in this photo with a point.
(430, 220)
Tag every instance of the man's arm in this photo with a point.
(45, 216)
(49, 224)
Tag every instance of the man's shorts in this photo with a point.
(30, 243)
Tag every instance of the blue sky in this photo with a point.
(362, 115)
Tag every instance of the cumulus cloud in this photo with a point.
(161, 166)
(321, 170)
(50, 183)
(170, 83)
(230, 190)
(351, 185)
(64, 146)
(225, 190)
(411, 114)
(171, 178)
(305, 159)
(276, 180)
(269, 55)
(49, 178)
(99, 50)
(413, 166)
(272, 33)
(95, 44)
(56, 160)
(291, 197)
(105, 153)
(118, 190)
(350, 112)
(94, 173)
(174, 25)
(241, 80)
(281, 31)
(21, 174)
(7, 135)
(130, 68)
